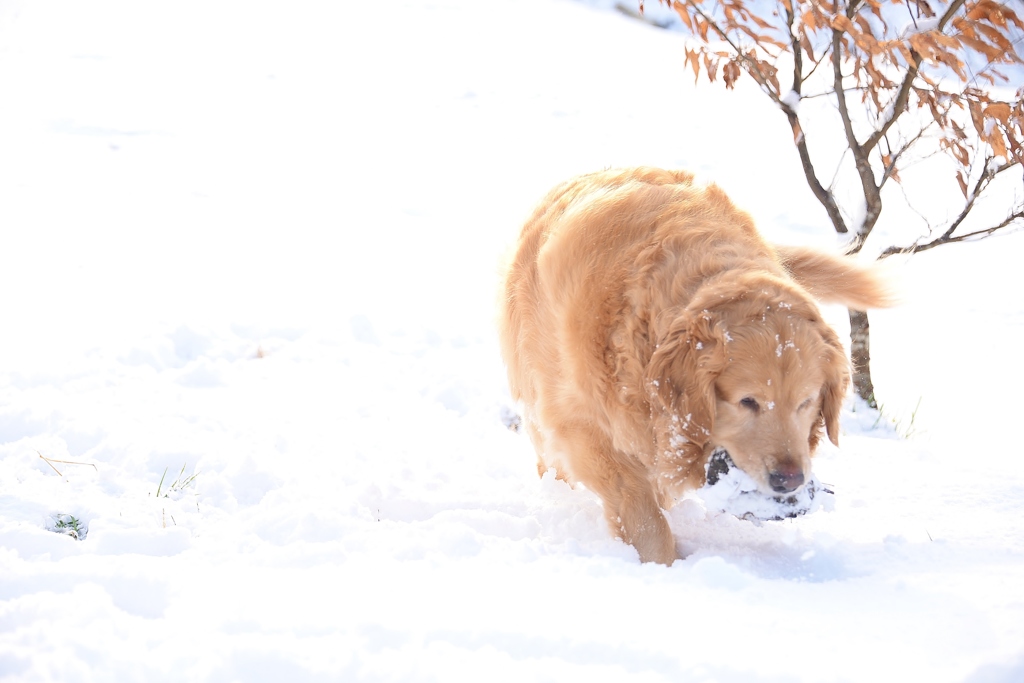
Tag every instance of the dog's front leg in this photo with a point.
(636, 517)
(630, 503)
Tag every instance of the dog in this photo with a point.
(645, 322)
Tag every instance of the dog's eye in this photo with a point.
(806, 404)
(750, 403)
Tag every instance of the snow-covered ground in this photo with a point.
(257, 243)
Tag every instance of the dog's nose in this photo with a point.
(786, 480)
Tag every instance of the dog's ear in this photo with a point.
(681, 374)
(837, 382)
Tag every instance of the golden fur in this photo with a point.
(645, 322)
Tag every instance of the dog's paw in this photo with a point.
(730, 489)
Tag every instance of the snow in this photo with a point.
(920, 25)
(258, 243)
(792, 101)
(731, 490)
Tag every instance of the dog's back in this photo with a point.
(574, 255)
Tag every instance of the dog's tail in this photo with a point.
(834, 278)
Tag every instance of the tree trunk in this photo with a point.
(860, 354)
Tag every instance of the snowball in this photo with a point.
(730, 489)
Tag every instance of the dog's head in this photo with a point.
(756, 372)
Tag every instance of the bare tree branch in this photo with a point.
(823, 195)
(861, 161)
(948, 237)
(890, 169)
(903, 95)
(798, 52)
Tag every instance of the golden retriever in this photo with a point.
(645, 322)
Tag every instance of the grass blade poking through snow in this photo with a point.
(179, 483)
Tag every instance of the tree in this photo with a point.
(909, 80)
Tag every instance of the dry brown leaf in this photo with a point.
(990, 51)
(1000, 111)
(977, 116)
(996, 36)
(805, 45)
(958, 131)
(711, 67)
(809, 19)
(864, 24)
(996, 142)
(684, 14)
(962, 182)
(841, 23)
(694, 62)
(731, 73)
